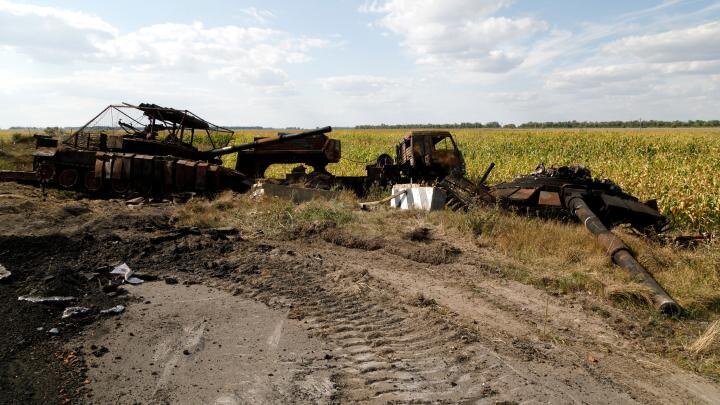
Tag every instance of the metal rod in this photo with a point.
(622, 256)
(484, 178)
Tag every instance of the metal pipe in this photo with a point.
(622, 256)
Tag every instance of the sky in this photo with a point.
(280, 63)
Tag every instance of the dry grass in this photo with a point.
(272, 217)
(629, 294)
(705, 342)
(15, 151)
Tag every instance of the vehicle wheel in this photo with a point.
(68, 178)
(384, 160)
(92, 183)
(120, 186)
(45, 172)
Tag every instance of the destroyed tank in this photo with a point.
(147, 149)
(599, 204)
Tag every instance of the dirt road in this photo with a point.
(195, 345)
(308, 318)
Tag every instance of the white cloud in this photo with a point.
(76, 19)
(51, 34)
(357, 85)
(688, 44)
(519, 97)
(246, 55)
(237, 50)
(269, 78)
(646, 62)
(594, 76)
(258, 15)
(459, 32)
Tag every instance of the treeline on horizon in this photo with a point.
(558, 124)
(495, 124)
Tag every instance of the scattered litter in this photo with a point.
(4, 273)
(125, 271)
(134, 201)
(117, 309)
(54, 331)
(412, 196)
(31, 298)
(39, 329)
(170, 280)
(74, 311)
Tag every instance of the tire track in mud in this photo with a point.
(386, 351)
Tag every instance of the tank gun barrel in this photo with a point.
(266, 141)
(621, 254)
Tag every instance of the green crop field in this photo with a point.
(678, 166)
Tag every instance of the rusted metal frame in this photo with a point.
(182, 125)
(621, 254)
(212, 143)
(210, 124)
(76, 133)
(123, 113)
(186, 112)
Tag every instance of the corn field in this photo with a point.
(679, 167)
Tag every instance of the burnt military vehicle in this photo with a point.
(430, 157)
(157, 150)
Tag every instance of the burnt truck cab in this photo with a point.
(421, 156)
(429, 155)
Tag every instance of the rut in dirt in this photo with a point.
(385, 350)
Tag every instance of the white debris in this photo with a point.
(124, 270)
(4, 273)
(32, 298)
(53, 331)
(74, 311)
(418, 197)
(117, 309)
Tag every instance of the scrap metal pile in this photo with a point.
(151, 150)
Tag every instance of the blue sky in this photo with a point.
(347, 62)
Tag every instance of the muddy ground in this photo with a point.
(314, 316)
